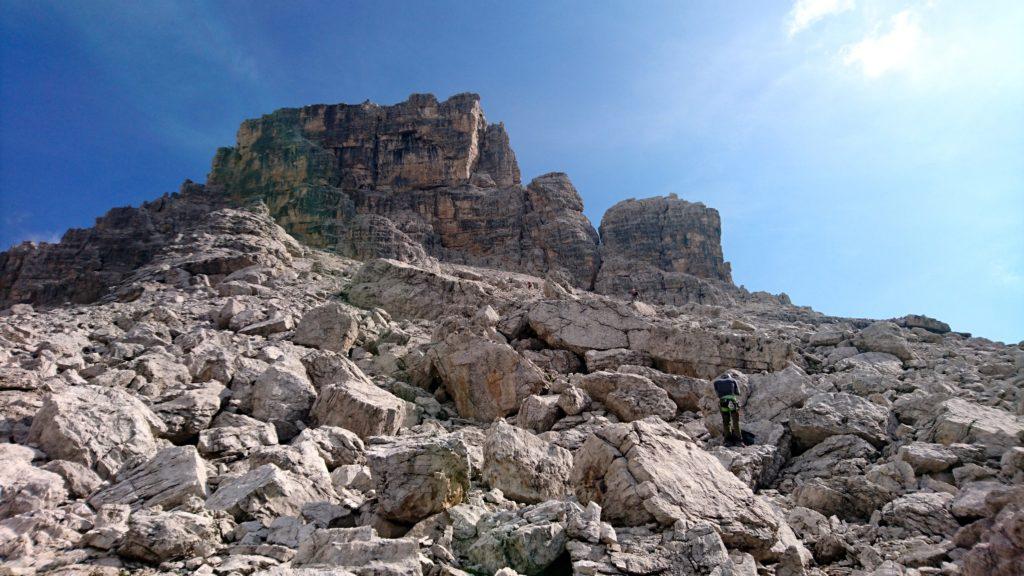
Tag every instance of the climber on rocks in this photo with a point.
(728, 391)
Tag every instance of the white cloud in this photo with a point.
(894, 49)
(807, 12)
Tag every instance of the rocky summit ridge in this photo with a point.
(365, 347)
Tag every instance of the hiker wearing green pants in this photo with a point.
(728, 391)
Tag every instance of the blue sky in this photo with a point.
(867, 156)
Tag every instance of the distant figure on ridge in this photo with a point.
(634, 295)
(728, 391)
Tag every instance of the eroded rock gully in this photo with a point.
(229, 391)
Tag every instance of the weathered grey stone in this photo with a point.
(101, 428)
(524, 467)
(646, 471)
(328, 327)
(283, 396)
(611, 360)
(168, 479)
(883, 337)
(187, 411)
(25, 488)
(80, 481)
(486, 378)
(265, 492)
(1001, 549)
(162, 536)
(573, 400)
(927, 458)
(959, 420)
(359, 550)
(337, 446)
(922, 513)
(349, 399)
(685, 391)
(235, 435)
(417, 476)
(539, 413)
(831, 414)
(582, 325)
(628, 396)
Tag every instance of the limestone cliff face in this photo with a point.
(415, 181)
(368, 181)
(670, 250)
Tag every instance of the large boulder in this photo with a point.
(1001, 549)
(628, 396)
(706, 352)
(612, 359)
(350, 400)
(263, 493)
(883, 337)
(168, 479)
(922, 513)
(775, 396)
(101, 428)
(409, 291)
(539, 413)
(283, 395)
(587, 324)
(156, 536)
(523, 466)
(186, 411)
(328, 327)
(927, 458)
(359, 550)
(417, 476)
(685, 391)
(960, 421)
(646, 471)
(486, 378)
(337, 446)
(25, 488)
(525, 541)
(235, 435)
(834, 413)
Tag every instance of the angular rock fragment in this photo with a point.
(235, 435)
(162, 536)
(359, 550)
(25, 488)
(524, 467)
(100, 428)
(417, 476)
(959, 420)
(283, 396)
(337, 446)
(328, 327)
(538, 413)
(487, 379)
(168, 479)
(832, 414)
(349, 399)
(646, 471)
(265, 492)
(628, 396)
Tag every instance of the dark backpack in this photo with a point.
(726, 387)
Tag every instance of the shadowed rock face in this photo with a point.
(88, 261)
(664, 247)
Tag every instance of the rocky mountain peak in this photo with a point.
(365, 348)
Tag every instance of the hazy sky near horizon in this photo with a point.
(867, 156)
